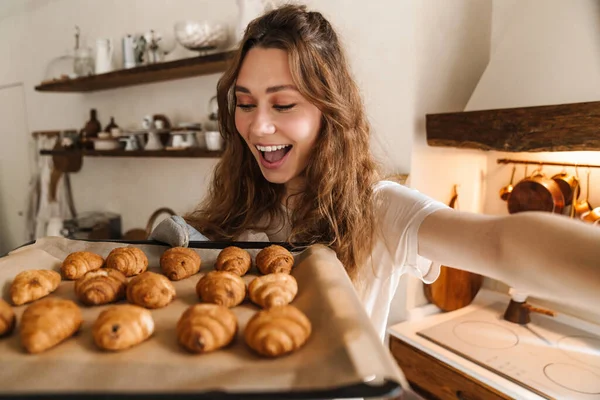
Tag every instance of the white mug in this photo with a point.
(104, 54)
(214, 141)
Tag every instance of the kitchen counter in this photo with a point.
(407, 333)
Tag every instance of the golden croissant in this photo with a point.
(31, 285)
(7, 318)
(277, 331)
(233, 259)
(274, 259)
(129, 260)
(79, 263)
(206, 327)
(121, 327)
(48, 322)
(150, 290)
(102, 286)
(179, 263)
(272, 290)
(221, 287)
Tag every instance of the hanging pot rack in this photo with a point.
(545, 163)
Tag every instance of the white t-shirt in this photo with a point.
(399, 213)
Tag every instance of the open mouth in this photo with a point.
(273, 156)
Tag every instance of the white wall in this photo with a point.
(452, 49)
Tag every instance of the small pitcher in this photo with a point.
(104, 55)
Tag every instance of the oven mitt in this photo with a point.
(176, 232)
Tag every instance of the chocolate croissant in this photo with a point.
(221, 287)
(7, 318)
(274, 259)
(277, 331)
(272, 290)
(79, 263)
(48, 322)
(121, 327)
(103, 286)
(179, 263)
(150, 290)
(206, 327)
(34, 284)
(233, 259)
(129, 260)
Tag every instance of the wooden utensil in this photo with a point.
(454, 288)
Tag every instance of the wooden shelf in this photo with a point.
(165, 71)
(187, 153)
(563, 127)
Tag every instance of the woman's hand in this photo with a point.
(176, 232)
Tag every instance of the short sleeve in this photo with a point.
(399, 213)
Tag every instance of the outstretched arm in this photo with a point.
(548, 256)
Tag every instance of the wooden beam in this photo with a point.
(563, 127)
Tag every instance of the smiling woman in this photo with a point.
(297, 167)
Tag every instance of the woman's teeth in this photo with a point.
(272, 148)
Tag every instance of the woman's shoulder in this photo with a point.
(389, 194)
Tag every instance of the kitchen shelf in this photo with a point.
(562, 127)
(186, 153)
(178, 69)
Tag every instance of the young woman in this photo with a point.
(297, 167)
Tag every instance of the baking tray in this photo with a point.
(344, 357)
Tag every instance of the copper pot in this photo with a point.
(569, 186)
(592, 217)
(536, 193)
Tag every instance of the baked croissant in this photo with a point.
(7, 318)
(233, 259)
(150, 290)
(179, 263)
(79, 263)
(277, 331)
(221, 287)
(48, 322)
(274, 259)
(129, 260)
(206, 327)
(121, 327)
(33, 284)
(103, 286)
(272, 290)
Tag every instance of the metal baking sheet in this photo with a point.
(343, 358)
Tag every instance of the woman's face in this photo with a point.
(279, 125)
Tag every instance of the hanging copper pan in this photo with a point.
(536, 193)
(569, 186)
(582, 207)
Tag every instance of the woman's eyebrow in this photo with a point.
(271, 89)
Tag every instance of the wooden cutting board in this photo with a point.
(454, 288)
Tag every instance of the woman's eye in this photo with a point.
(284, 107)
(246, 107)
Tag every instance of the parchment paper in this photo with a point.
(343, 349)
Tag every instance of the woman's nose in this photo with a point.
(262, 124)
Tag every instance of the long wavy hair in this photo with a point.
(336, 207)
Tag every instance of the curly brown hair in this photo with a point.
(336, 207)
